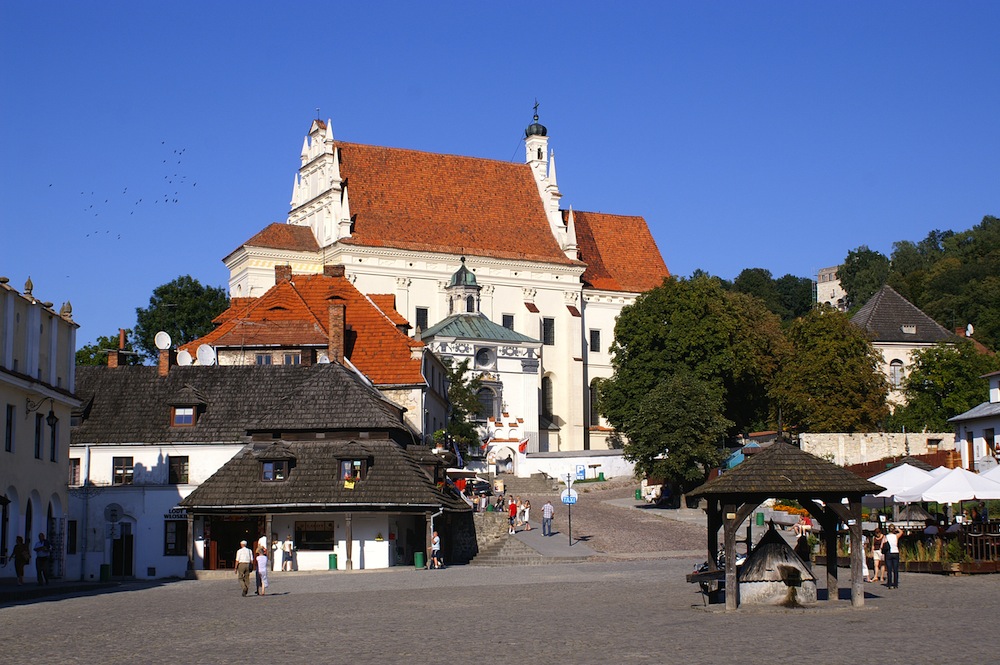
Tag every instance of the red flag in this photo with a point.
(523, 446)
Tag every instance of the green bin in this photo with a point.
(600, 476)
(105, 572)
(638, 494)
(333, 562)
(418, 560)
(760, 519)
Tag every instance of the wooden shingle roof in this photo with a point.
(394, 480)
(782, 470)
(131, 405)
(889, 317)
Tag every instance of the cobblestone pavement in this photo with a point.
(639, 611)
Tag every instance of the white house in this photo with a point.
(976, 429)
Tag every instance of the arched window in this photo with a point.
(487, 404)
(896, 374)
(470, 304)
(547, 396)
(595, 390)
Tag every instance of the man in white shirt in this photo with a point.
(243, 558)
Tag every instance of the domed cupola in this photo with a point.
(463, 291)
(536, 129)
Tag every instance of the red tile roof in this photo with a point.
(285, 236)
(296, 313)
(619, 251)
(387, 303)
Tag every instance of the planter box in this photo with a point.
(978, 567)
(842, 561)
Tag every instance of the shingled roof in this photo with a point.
(295, 313)
(131, 405)
(782, 470)
(394, 480)
(889, 317)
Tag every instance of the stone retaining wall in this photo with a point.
(848, 449)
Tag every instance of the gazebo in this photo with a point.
(782, 471)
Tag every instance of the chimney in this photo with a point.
(168, 357)
(116, 358)
(335, 347)
(282, 274)
(333, 271)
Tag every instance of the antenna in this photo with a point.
(323, 359)
(969, 330)
(183, 358)
(162, 340)
(206, 355)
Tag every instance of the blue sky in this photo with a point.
(766, 134)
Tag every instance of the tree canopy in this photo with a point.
(696, 328)
(97, 353)
(862, 274)
(463, 395)
(183, 308)
(943, 382)
(788, 296)
(830, 380)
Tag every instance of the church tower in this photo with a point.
(463, 292)
(319, 195)
(543, 166)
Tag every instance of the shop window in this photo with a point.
(175, 537)
(122, 471)
(315, 535)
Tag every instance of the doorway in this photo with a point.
(123, 551)
(224, 535)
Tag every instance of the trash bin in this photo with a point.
(760, 519)
(600, 476)
(333, 562)
(418, 560)
(105, 572)
(638, 494)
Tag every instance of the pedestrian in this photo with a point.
(892, 557)
(527, 515)
(547, 512)
(42, 552)
(512, 514)
(878, 559)
(520, 512)
(22, 557)
(286, 553)
(244, 559)
(261, 543)
(261, 571)
(436, 551)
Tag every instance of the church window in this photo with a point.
(896, 374)
(422, 318)
(547, 396)
(595, 391)
(487, 404)
(595, 341)
(508, 321)
(549, 332)
(470, 304)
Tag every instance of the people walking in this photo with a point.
(878, 559)
(892, 557)
(42, 553)
(262, 571)
(286, 553)
(527, 515)
(547, 512)
(512, 514)
(436, 551)
(22, 557)
(244, 558)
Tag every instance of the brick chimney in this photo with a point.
(282, 274)
(115, 357)
(335, 347)
(333, 271)
(167, 358)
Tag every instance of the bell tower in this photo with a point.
(319, 194)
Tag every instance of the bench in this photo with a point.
(711, 582)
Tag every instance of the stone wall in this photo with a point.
(848, 449)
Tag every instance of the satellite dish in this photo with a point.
(323, 359)
(969, 330)
(162, 340)
(206, 355)
(183, 358)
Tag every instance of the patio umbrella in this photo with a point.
(992, 474)
(955, 486)
(899, 479)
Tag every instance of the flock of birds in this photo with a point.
(174, 184)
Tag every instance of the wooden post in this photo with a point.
(830, 523)
(349, 545)
(714, 524)
(729, 539)
(857, 555)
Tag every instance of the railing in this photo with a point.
(981, 541)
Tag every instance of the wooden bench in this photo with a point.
(711, 583)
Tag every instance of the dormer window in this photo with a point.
(182, 416)
(353, 469)
(274, 470)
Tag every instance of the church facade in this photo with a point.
(399, 222)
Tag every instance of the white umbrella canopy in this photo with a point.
(940, 471)
(955, 486)
(899, 479)
(992, 474)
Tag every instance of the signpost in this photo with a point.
(569, 497)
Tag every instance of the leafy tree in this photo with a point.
(676, 430)
(183, 308)
(463, 395)
(831, 380)
(796, 294)
(698, 328)
(863, 272)
(943, 382)
(758, 282)
(97, 353)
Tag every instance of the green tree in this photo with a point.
(97, 353)
(863, 272)
(831, 379)
(944, 381)
(694, 326)
(183, 308)
(796, 294)
(676, 430)
(463, 396)
(758, 282)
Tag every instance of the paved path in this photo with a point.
(605, 612)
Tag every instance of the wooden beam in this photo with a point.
(857, 555)
(714, 511)
(729, 538)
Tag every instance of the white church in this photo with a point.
(403, 222)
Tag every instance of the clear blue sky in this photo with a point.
(766, 134)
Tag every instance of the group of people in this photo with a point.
(258, 560)
(22, 557)
(518, 513)
(885, 556)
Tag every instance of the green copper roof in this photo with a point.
(474, 326)
(463, 277)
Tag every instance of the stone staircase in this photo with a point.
(537, 483)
